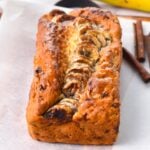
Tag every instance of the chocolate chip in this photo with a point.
(104, 94)
(116, 129)
(85, 116)
(115, 105)
(38, 139)
(38, 70)
(60, 114)
(42, 87)
(107, 131)
(88, 99)
(85, 53)
(106, 17)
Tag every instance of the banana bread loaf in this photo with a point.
(74, 96)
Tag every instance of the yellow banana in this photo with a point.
(143, 5)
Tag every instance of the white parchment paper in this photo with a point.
(17, 48)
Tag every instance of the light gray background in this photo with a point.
(17, 48)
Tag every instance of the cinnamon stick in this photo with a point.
(139, 40)
(143, 18)
(145, 76)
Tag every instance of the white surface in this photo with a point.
(17, 48)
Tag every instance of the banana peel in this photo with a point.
(142, 5)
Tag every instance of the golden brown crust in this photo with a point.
(76, 80)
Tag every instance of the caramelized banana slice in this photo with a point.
(102, 39)
(78, 76)
(63, 111)
(70, 82)
(82, 59)
(80, 67)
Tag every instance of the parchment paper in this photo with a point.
(17, 48)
